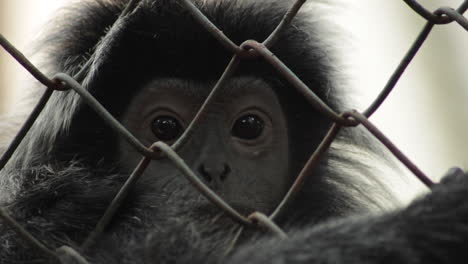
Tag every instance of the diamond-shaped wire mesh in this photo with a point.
(248, 49)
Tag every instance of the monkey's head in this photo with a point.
(153, 70)
(240, 150)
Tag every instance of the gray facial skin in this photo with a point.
(240, 150)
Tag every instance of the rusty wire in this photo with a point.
(436, 17)
(25, 127)
(25, 234)
(248, 49)
(396, 75)
(310, 164)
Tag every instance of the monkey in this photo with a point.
(152, 69)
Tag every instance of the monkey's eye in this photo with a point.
(166, 128)
(248, 127)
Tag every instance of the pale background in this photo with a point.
(427, 114)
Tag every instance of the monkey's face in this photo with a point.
(240, 149)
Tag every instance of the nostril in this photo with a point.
(225, 172)
(204, 173)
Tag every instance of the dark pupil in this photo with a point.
(248, 127)
(166, 128)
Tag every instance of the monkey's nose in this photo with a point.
(214, 175)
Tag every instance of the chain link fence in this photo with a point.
(248, 49)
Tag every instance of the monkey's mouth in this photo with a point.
(241, 208)
(246, 210)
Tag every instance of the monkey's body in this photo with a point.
(155, 67)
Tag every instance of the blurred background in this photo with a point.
(426, 116)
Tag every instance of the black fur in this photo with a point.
(430, 230)
(66, 172)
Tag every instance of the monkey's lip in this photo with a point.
(240, 208)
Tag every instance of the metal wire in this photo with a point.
(248, 49)
(25, 128)
(26, 235)
(399, 70)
